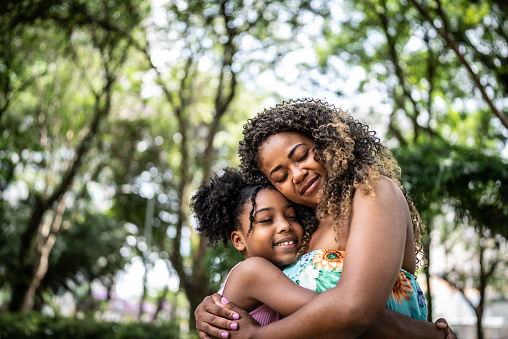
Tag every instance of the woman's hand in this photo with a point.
(247, 326)
(443, 325)
(213, 317)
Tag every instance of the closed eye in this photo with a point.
(303, 156)
(283, 178)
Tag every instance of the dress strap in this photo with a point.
(221, 291)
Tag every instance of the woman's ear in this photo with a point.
(238, 241)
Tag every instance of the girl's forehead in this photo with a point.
(270, 198)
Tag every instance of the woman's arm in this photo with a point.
(257, 281)
(392, 324)
(214, 318)
(374, 256)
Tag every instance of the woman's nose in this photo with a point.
(299, 174)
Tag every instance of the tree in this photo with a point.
(405, 56)
(88, 250)
(46, 133)
(473, 183)
(481, 35)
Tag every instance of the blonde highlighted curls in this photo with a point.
(353, 155)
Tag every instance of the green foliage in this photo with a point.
(422, 79)
(218, 262)
(471, 180)
(36, 326)
(90, 250)
(57, 74)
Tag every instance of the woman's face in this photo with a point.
(287, 160)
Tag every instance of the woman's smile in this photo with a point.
(310, 186)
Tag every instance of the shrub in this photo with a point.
(37, 326)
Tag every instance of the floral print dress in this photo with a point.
(320, 270)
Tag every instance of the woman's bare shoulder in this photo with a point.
(383, 188)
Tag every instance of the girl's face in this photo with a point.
(276, 233)
(287, 160)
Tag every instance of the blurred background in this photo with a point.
(112, 112)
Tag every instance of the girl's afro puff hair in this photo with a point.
(219, 203)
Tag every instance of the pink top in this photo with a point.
(263, 314)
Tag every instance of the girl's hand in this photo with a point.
(214, 318)
(443, 325)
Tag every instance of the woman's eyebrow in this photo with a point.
(290, 155)
(275, 169)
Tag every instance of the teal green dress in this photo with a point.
(320, 270)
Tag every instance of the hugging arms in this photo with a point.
(320, 157)
(215, 316)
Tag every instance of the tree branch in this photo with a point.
(451, 43)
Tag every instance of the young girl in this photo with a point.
(264, 227)
(320, 157)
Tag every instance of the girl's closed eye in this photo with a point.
(263, 217)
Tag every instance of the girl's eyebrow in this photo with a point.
(263, 209)
(290, 155)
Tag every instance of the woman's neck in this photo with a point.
(326, 236)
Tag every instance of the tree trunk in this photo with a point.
(479, 326)
(160, 303)
(479, 309)
(48, 237)
(143, 296)
(24, 269)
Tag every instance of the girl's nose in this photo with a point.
(284, 225)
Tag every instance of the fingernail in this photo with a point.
(236, 316)
(233, 326)
(224, 334)
(224, 300)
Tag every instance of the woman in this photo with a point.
(320, 157)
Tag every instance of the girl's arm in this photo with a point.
(374, 256)
(257, 281)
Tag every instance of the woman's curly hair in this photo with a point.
(353, 155)
(219, 203)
